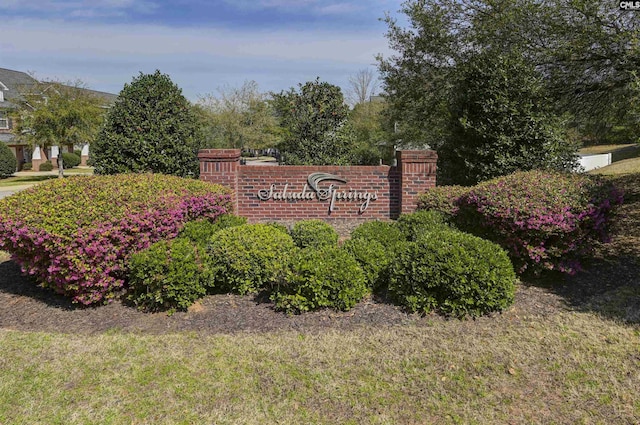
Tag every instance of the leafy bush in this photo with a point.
(384, 232)
(78, 153)
(46, 166)
(8, 163)
(313, 234)
(372, 257)
(70, 160)
(443, 199)
(201, 231)
(150, 128)
(320, 278)
(169, 275)
(415, 224)
(246, 259)
(278, 226)
(453, 273)
(27, 166)
(545, 220)
(75, 235)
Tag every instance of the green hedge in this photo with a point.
(169, 275)
(383, 232)
(201, 231)
(70, 160)
(413, 225)
(321, 278)
(313, 234)
(8, 161)
(454, 273)
(247, 259)
(46, 166)
(372, 257)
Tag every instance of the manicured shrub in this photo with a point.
(151, 127)
(372, 257)
(70, 160)
(454, 273)
(75, 235)
(384, 232)
(8, 161)
(417, 223)
(321, 278)
(27, 166)
(78, 153)
(169, 275)
(443, 199)
(46, 166)
(313, 234)
(545, 220)
(278, 226)
(201, 231)
(247, 259)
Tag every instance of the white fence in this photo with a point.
(591, 162)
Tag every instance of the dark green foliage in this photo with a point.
(501, 122)
(313, 234)
(443, 199)
(169, 275)
(8, 161)
(150, 128)
(313, 121)
(78, 153)
(278, 226)
(453, 273)
(320, 278)
(372, 258)
(413, 225)
(27, 166)
(246, 259)
(385, 233)
(70, 160)
(200, 231)
(46, 166)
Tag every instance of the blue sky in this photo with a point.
(202, 45)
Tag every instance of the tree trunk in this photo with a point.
(60, 165)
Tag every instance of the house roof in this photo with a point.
(11, 83)
(14, 82)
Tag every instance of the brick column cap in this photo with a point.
(219, 155)
(413, 156)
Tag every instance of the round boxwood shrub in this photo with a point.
(8, 163)
(278, 226)
(417, 223)
(372, 258)
(313, 234)
(246, 259)
(46, 166)
(70, 160)
(201, 231)
(383, 232)
(454, 273)
(321, 278)
(169, 275)
(27, 166)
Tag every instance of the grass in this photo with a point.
(25, 180)
(627, 166)
(571, 368)
(597, 149)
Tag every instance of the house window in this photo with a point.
(4, 120)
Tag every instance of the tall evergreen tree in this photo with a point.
(150, 128)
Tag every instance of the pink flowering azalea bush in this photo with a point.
(545, 220)
(75, 235)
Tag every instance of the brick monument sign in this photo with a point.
(293, 192)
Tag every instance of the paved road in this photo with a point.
(5, 193)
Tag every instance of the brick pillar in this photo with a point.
(417, 174)
(221, 166)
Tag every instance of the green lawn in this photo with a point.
(627, 166)
(570, 368)
(23, 180)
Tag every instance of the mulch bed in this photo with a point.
(25, 306)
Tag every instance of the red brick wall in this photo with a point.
(396, 188)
